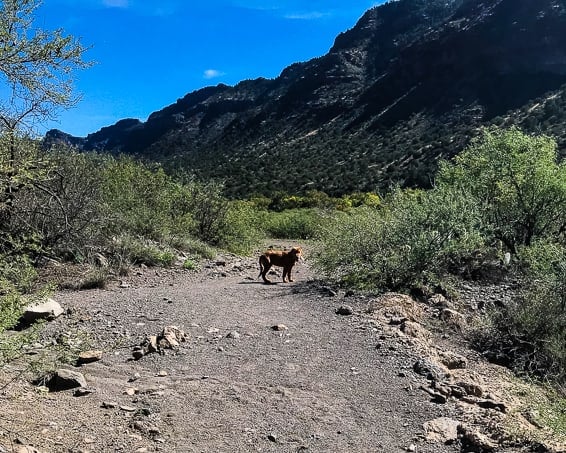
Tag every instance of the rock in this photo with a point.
(138, 354)
(441, 429)
(89, 357)
(279, 327)
(430, 370)
(27, 449)
(438, 300)
(487, 404)
(134, 377)
(109, 405)
(48, 309)
(437, 397)
(453, 318)
(329, 291)
(83, 391)
(453, 361)
(397, 320)
(172, 335)
(471, 388)
(128, 408)
(169, 338)
(415, 330)
(475, 439)
(345, 310)
(234, 335)
(64, 379)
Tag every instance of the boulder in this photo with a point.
(49, 309)
(64, 379)
(442, 430)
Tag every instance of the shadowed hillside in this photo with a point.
(412, 81)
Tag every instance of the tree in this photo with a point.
(36, 80)
(517, 182)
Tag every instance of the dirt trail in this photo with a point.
(328, 383)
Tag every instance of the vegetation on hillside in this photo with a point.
(505, 193)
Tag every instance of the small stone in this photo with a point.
(397, 320)
(453, 361)
(471, 388)
(453, 318)
(234, 335)
(109, 405)
(128, 408)
(138, 354)
(89, 357)
(431, 370)
(272, 437)
(412, 448)
(280, 327)
(345, 310)
(82, 391)
(134, 378)
(329, 291)
(27, 449)
(162, 373)
(131, 391)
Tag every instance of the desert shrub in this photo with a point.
(517, 183)
(409, 240)
(294, 223)
(138, 250)
(530, 333)
(242, 230)
(62, 211)
(137, 198)
(192, 246)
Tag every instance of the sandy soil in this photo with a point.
(326, 383)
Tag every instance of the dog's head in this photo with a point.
(297, 253)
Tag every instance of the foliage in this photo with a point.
(243, 230)
(137, 199)
(517, 183)
(37, 65)
(410, 239)
(294, 223)
(530, 333)
(63, 212)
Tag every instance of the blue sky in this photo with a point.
(149, 53)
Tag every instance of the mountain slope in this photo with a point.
(411, 82)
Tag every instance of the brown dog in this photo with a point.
(284, 259)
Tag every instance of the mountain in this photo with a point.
(410, 83)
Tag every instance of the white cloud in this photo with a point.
(115, 3)
(306, 16)
(212, 73)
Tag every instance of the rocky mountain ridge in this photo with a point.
(410, 83)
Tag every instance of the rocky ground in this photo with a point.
(295, 367)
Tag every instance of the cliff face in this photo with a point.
(409, 83)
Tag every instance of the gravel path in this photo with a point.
(324, 383)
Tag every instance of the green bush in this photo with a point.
(516, 182)
(294, 223)
(530, 333)
(242, 231)
(410, 240)
(142, 251)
